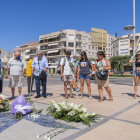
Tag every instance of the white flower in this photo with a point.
(38, 136)
(84, 110)
(2, 96)
(45, 136)
(93, 114)
(48, 138)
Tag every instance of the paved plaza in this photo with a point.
(119, 120)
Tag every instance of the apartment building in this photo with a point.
(109, 47)
(54, 45)
(5, 55)
(123, 45)
(27, 50)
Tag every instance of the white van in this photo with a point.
(93, 73)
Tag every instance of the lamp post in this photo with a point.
(129, 29)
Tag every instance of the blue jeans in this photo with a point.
(37, 81)
(1, 85)
(84, 76)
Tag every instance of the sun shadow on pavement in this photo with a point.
(130, 94)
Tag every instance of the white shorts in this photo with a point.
(16, 80)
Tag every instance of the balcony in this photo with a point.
(78, 39)
(78, 47)
(29, 53)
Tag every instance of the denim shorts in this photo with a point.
(136, 74)
(84, 76)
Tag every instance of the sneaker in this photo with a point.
(80, 97)
(77, 89)
(74, 89)
(90, 97)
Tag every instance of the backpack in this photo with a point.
(58, 67)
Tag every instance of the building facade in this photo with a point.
(54, 45)
(5, 55)
(124, 45)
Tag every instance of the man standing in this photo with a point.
(67, 68)
(40, 63)
(17, 68)
(76, 88)
(30, 77)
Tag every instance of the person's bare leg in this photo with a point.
(82, 86)
(89, 87)
(74, 83)
(100, 89)
(77, 84)
(65, 89)
(0, 92)
(13, 92)
(108, 90)
(136, 80)
(19, 90)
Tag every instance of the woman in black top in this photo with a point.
(85, 70)
(136, 60)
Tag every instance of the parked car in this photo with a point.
(93, 73)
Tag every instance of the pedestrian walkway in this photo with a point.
(120, 118)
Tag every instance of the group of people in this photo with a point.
(70, 71)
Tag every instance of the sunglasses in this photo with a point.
(138, 54)
(68, 54)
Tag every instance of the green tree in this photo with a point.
(119, 61)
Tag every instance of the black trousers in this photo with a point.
(30, 85)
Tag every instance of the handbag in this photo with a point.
(42, 74)
(101, 76)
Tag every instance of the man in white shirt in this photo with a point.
(66, 69)
(17, 68)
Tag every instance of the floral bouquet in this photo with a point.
(4, 103)
(20, 105)
(71, 112)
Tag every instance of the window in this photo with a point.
(72, 52)
(89, 47)
(71, 37)
(70, 44)
(123, 42)
(124, 51)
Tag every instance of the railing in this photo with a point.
(78, 39)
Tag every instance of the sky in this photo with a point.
(25, 20)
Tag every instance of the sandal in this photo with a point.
(135, 96)
(111, 99)
(66, 97)
(72, 97)
(101, 100)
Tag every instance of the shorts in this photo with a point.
(68, 78)
(136, 74)
(102, 83)
(16, 80)
(84, 76)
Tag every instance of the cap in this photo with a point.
(83, 53)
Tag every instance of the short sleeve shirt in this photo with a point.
(75, 66)
(1, 70)
(16, 66)
(67, 69)
(101, 64)
(85, 67)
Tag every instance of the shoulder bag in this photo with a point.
(42, 74)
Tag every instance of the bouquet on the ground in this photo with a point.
(70, 112)
(21, 107)
(4, 103)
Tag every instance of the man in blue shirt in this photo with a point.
(40, 63)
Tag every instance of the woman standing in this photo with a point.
(85, 70)
(1, 74)
(102, 65)
(136, 59)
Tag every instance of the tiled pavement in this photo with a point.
(120, 118)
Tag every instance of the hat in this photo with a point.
(83, 53)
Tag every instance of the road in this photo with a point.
(56, 80)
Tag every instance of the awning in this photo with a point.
(52, 66)
(53, 51)
(27, 56)
(49, 37)
(53, 44)
(27, 50)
